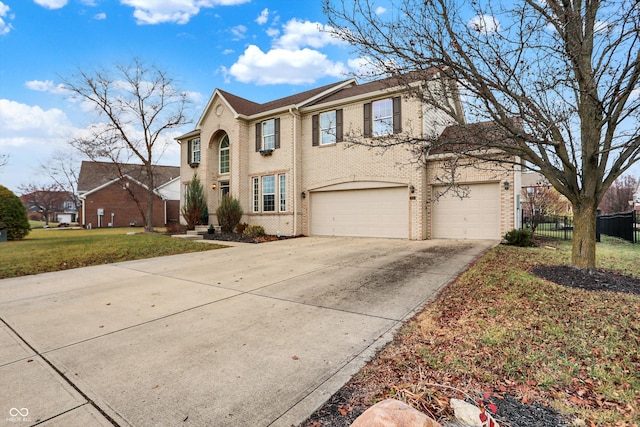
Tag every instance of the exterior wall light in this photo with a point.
(213, 186)
(303, 194)
(412, 189)
(506, 185)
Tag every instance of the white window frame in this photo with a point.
(327, 124)
(226, 152)
(382, 116)
(269, 192)
(282, 192)
(269, 139)
(194, 156)
(255, 185)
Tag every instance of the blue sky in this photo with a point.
(257, 49)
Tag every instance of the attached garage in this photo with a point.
(361, 212)
(474, 217)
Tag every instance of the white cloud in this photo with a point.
(177, 11)
(239, 32)
(280, 66)
(380, 10)
(484, 24)
(228, 51)
(273, 32)
(52, 4)
(46, 86)
(264, 17)
(306, 33)
(100, 16)
(24, 124)
(5, 27)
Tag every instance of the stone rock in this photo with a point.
(469, 414)
(393, 413)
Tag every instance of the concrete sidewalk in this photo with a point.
(253, 335)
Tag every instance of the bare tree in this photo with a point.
(541, 201)
(619, 197)
(559, 78)
(4, 159)
(63, 168)
(138, 104)
(46, 199)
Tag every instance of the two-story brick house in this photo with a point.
(293, 165)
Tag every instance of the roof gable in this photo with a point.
(96, 174)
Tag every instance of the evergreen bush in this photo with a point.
(521, 237)
(229, 213)
(13, 215)
(254, 231)
(195, 204)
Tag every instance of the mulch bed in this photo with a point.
(349, 402)
(589, 279)
(237, 237)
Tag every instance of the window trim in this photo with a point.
(316, 128)
(224, 150)
(191, 151)
(260, 137)
(255, 185)
(271, 193)
(369, 119)
(282, 192)
(279, 193)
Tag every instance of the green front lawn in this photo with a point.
(45, 250)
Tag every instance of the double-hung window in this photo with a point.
(382, 117)
(282, 189)
(269, 193)
(268, 135)
(326, 128)
(224, 155)
(194, 151)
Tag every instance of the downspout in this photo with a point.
(84, 212)
(295, 171)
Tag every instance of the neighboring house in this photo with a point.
(534, 181)
(292, 164)
(56, 206)
(113, 196)
(636, 198)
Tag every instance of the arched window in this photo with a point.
(224, 155)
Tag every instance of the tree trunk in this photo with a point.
(148, 226)
(583, 254)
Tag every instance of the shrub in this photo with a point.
(13, 215)
(241, 227)
(195, 204)
(176, 228)
(254, 231)
(521, 237)
(229, 213)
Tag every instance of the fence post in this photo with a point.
(598, 225)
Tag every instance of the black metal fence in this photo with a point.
(622, 225)
(557, 227)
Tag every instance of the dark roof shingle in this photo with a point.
(95, 174)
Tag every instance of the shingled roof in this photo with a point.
(248, 108)
(95, 174)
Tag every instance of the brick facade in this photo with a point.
(308, 168)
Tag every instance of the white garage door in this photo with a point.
(374, 212)
(474, 217)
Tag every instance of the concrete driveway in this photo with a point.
(253, 335)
